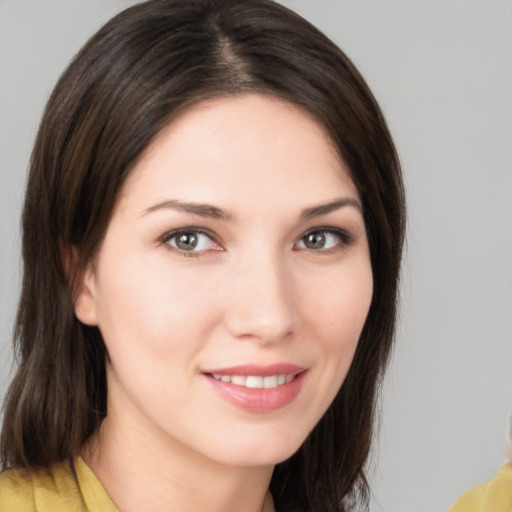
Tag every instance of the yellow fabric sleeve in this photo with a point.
(494, 496)
(55, 490)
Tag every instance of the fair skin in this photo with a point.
(231, 288)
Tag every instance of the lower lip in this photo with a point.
(258, 400)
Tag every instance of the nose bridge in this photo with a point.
(261, 305)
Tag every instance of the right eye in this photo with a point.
(190, 241)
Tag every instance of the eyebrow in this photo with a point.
(332, 206)
(201, 209)
(213, 212)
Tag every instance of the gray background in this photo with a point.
(442, 71)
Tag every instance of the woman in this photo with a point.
(212, 235)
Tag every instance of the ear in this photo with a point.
(85, 297)
(82, 283)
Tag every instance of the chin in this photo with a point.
(262, 453)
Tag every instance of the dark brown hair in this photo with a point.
(123, 87)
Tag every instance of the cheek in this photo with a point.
(148, 320)
(338, 304)
(153, 309)
(337, 312)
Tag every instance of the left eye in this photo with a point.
(320, 240)
(190, 241)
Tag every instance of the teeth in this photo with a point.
(255, 381)
(239, 380)
(270, 382)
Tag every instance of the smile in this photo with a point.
(255, 381)
(257, 388)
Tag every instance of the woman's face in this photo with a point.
(232, 284)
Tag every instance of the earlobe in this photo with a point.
(85, 298)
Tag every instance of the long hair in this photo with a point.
(127, 83)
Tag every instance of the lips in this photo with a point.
(257, 388)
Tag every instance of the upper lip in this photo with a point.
(259, 370)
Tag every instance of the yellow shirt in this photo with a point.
(494, 496)
(55, 491)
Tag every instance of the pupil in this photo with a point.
(315, 241)
(186, 242)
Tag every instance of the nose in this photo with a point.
(261, 304)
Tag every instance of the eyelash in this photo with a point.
(345, 239)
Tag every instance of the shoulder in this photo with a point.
(42, 490)
(495, 495)
(16, 491)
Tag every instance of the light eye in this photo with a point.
(321, 240)
(190, 241)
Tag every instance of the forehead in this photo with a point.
(241, 148)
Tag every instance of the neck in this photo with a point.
(143, 470)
